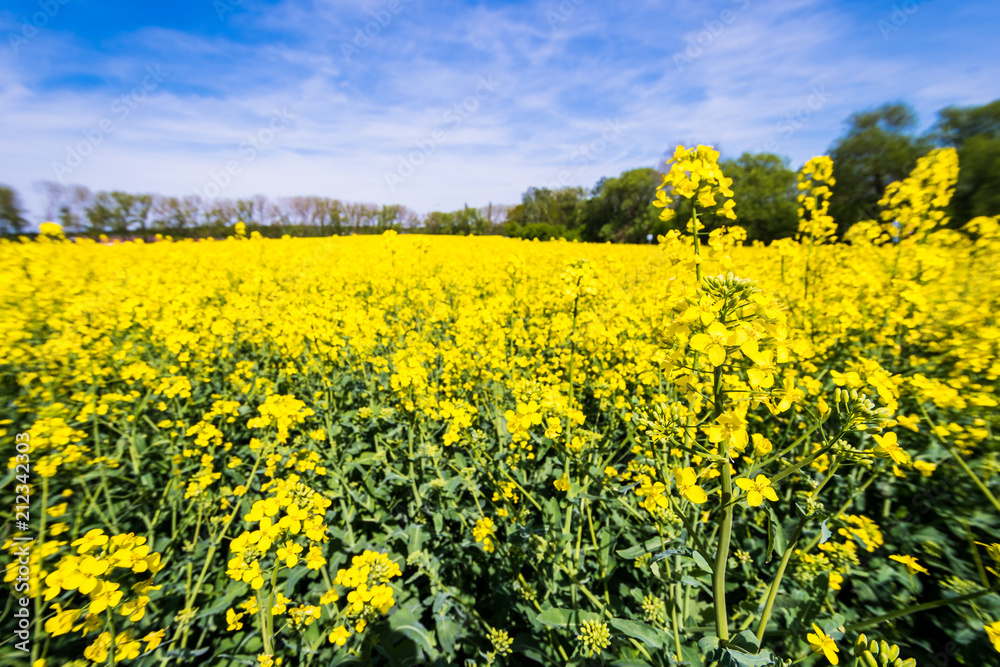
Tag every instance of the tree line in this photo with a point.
(82, 212)
(878, 147)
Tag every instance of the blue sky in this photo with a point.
(438, 104)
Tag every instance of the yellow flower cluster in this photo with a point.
(815, 183)
(370, 595)
(594, 637)
(55, 444)
(116, 574)
(695, 173)
(485, 531)
(916, 204)
(282, 412)
(467, 374)
(50, 231)
(293, 511)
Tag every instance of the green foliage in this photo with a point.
(621, 208)
(11, 219)
(560, 208)
(975, 132)
(119, 212)
(877, 149)
(765, 192)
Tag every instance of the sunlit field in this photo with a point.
(406, 449)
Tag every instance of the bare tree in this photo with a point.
(495, 214)
(66, 203)
(175, 213)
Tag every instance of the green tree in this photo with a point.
(119, 212)
(388, 217)
(438, 222)
(470, 221)
(547, 213)
(975, 133)
(175, 214)
(764, 191)
(621, 208)
(12, 220)
(877, 149)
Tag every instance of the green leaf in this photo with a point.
(734, 658)
(423, 637)
(747, 641)
(775, 535)
(700, 561)
(639, 551)
(645, 633)
(405, 622)
(554, 617)
(683, 551)
(708, 645)
(825, 533)
(448, 632)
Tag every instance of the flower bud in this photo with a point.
(869, 660)
(859, 646)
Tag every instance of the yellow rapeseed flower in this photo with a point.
(821, 643)
(910, 563)
(757, 490)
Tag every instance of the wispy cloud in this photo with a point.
(564, 68)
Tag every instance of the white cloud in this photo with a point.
(557, 88)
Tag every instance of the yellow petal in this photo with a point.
(700, 341)
(696, 494)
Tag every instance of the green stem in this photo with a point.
(961, 462)
(773, 592)
(970, 538)
(697, 243)
(725, 528)
(111, 638)
(906, 611)
(41, 548)
(801, 464)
